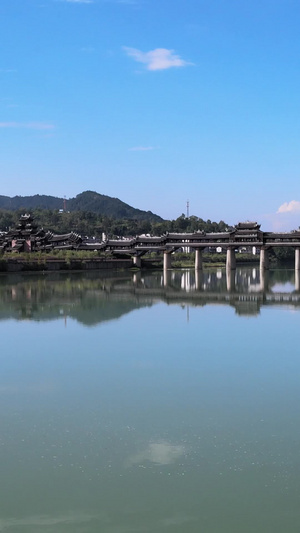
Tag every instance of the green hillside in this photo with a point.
(86, 201)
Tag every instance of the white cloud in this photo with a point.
(280, 221)
(79, 1)
(289, 207)
(141, 148)
(27, 125)
(158, 59)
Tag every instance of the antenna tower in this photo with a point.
(187, 208)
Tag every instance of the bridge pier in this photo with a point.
(167, 261)
(198, 259)
(297, 258)
(264, 259)
(230, 259)
(137, 261)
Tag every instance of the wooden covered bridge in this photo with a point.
(245, 235)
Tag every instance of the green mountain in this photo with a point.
(30, 202)
(86, 201)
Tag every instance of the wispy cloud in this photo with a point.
(7, 70)
(141, 148)
(128, 2)
(88, 49)
(158, 59)
(289, 207)
(78, 1)
(125, 2)
(27, 125)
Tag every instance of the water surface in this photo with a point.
(138, 403)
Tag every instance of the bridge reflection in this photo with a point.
(218, 280)
(93, 298)
(245, 289)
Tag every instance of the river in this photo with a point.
(143, 403)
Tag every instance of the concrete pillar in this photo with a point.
(230, 259)
(264, 259)
(297, 258)
(167, 260)
(198, 259)
(137, 262)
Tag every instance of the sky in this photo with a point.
(155, 102)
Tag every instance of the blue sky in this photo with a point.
(155, 102)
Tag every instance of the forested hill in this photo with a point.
(93, 214)
(86, 201)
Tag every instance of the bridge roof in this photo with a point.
(247, 225)
(147, 239)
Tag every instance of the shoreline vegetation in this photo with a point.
(76, 260)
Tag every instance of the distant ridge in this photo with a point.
(85, 201)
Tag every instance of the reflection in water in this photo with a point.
(45, 523)
(168, 276)
(160, 453)
(230, 280)
(198, 279)
(297, 280)
(94, 298)
(145, 422)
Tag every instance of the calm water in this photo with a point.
(137, 403)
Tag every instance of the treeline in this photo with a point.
(90, 224)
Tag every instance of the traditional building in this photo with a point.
(248, 232)
(26, 237)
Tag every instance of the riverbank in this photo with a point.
(32, 264)
(81, 262)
